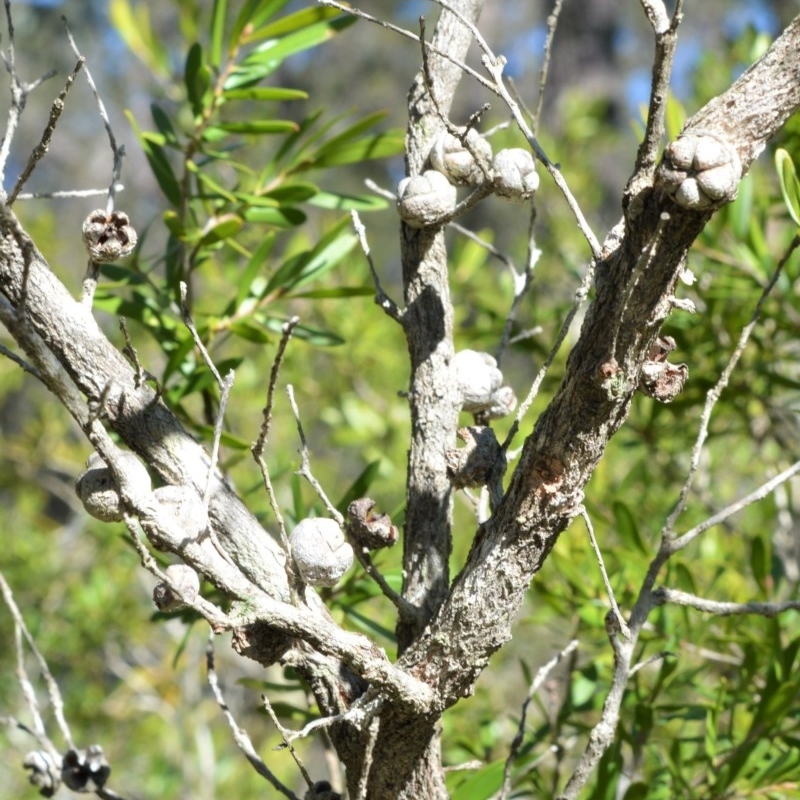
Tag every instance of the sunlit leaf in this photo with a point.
(133, 25)
(790, 185)
(218, 31)
(284, 217)
(251, 15)
(265, 93)
(254, 266)
(381, 145)
(303, 267)
(220, 228)
(159, 164)
(197, 77)
(481, 784)
(250, 331)
(164, 125)
(314, 336)
(293, 22)
(259, 126)
(348, 202)
(360, 485)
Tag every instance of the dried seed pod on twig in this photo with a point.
(320, 551)
(369, 530)
(108, 237)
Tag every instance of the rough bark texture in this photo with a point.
(447, 645)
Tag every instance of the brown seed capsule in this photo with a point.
(369, 530)
(108, 237)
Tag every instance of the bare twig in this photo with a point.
(118, 151)
(20, 362)
(714, 393)
(522, 284)
(129, 351)
(240, 735)
(538, 680)
(266, 420)
(678, 543)
(361, 792)
(552, 24)
(287, 742)
(578, 301)
(495, 65)
(666, 43)
(347, 9)
(664, 595)
(652, 660)
(21, 631)
(225, 386)
(19, 95)
(365, 559)
(623, 626)
(305, 462)
(44, 143)
(69, 194)
(381, 298)
(215, 616)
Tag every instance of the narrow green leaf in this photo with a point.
(293, 22)
(250, 331)
(259, 126)
(218, 31)
(758, 562)
(360, 485)
(275, 51)
(482, 783)
(790, 185)
(254, 266)
(313, 336)
(162, 170)
(303, 267)
(220, 228)
(133, 25)
(337, 293)
(367, 623)
(292, 193)
(164, 125)
(252, 14)
(265, 93)
(277, 217)
(353, 131)
(627, 527)
(348, 202)
(381, 145)
(246, 75)
(197, 77)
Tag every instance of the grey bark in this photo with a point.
(447, 645)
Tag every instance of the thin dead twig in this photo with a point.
(240, 735)
(225, 386)
(118, 151)
(390, 308)
(667, 532)
(663, 595)
(538, 679)
(260, 443)
(38, 152)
